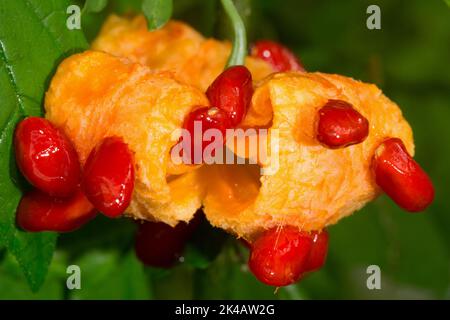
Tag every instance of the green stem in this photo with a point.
(239, 51)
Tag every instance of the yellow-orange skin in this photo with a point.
(94, 95)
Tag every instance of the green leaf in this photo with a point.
(157, 12)
(95, 5)
(14, 285)
(33, 39)
(447, 2)
(108, 275)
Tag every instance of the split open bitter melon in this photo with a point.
(140, 85)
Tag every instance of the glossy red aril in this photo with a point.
(318, 252)
(402, 178)
(197, 123)
(37, 211)
(340, 125)
(279, 57)
(46, 157)
(108, 179)
(232, 92)
(279, 256)
(159, 245)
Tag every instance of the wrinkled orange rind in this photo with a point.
(94, 95)
(176, 47)
(314, 186)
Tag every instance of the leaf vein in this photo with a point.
(11, 77)
(54, 38)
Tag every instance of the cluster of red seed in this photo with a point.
(281, 257)
(277, 257)
(229, 96)
(160, 245)
(65, 197)
(231, 92)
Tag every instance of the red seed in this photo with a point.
(108, 179)
(402, 178)
(318, 252)
(197, 123)
(37, 211)
(46, 157)
(232, 92)
(160, 245)
(279, 256)
(339, 125)
(279, 57)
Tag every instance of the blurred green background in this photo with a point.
(409, 58)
